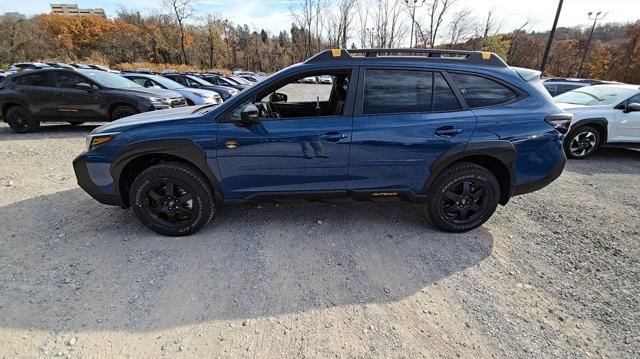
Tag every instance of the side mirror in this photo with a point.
(250, 114)
(632, 107)
(278, 97)
(83, 86)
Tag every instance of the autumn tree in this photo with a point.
(182, 10)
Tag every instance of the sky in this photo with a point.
(274, 15)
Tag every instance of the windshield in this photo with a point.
(229, 80)
(106, 79)
(166, 83)
(240, 80)
(199, 80)
(594, 95)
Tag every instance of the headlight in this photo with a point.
(99, 139)
(233, 92)
(158, 100)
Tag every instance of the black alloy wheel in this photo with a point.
(172, 198)
(462, 197)
(464, 201)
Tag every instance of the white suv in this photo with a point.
(603, 115)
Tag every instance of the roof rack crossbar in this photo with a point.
(431, 55)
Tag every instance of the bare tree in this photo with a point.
(437, 11)
(363, 22)
(303, 14)
(461, 26)
(182, 10)
(388, 29)
(345, 9)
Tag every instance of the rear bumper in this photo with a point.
(85, 182)
(545, 181)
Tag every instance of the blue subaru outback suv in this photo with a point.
(458, 131)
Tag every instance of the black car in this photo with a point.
(76, 96)
(195, 82)
(224, 81)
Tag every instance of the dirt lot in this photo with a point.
(554, 274)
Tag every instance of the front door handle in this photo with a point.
(59, 94)
(448, 131)
(333, 136)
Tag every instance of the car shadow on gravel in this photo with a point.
(69, 263)
(48, 130)
(608, 160)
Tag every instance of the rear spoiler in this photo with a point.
(527, 74)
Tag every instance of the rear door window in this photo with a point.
(39, 79)
(397, 91)
(480, 91)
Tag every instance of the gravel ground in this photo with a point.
(553, 274)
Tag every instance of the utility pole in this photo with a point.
(413, 4)
(551, 34)
(586, 50)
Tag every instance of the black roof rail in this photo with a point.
(429, 55)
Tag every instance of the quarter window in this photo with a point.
(397, 91)
(39, 79)
(482, 92)
(444, 99)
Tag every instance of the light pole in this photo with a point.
(550, 41)
(370, 32)
(586, 50)
(413, 4)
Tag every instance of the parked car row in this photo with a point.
(22, 66)
(35, 92)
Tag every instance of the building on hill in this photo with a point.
(73, 10)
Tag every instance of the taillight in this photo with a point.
(561, 122)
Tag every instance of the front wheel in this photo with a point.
(173, 199)
(463, 197)
(582, 142)
(123, 111)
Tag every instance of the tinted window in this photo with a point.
(634, 99)
(68, 80)
(565, 88)
(444, 99)
(397, 91)
(39, 79)
(180, 80)
(481, 92)
(551, 88)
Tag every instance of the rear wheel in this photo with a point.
(21, 121)
(173, 199)
(582, 142)
(463, 197)
(123, 111)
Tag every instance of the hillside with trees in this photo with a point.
(175, 36)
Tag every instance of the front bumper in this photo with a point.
(545, 181)
(85, 182)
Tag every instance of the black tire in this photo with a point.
(463, 197)
(123, 111)
(581, 142)
(173, 199)
(21, 121)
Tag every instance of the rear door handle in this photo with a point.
(59, 94)
(333, 136)
(448, 131)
